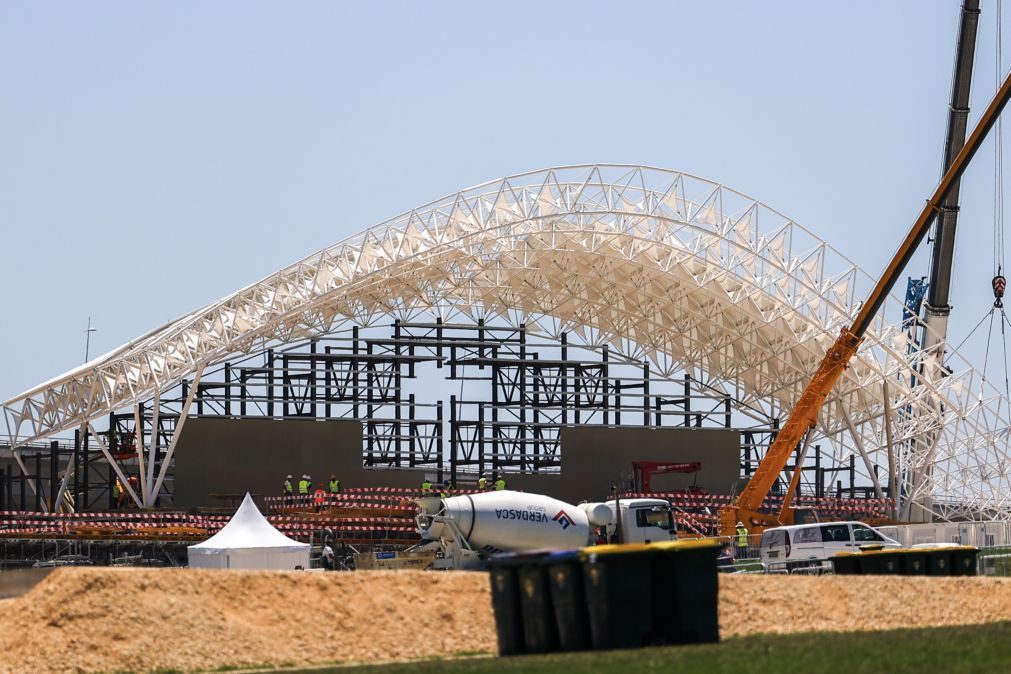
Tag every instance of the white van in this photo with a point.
(807, 544)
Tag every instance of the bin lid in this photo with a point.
(515, 558)
(617, 549)
(872, 546)
(561, 557)
(882, 551)
(688, 544)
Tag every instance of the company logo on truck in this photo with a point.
(563, 518)
(522, 515)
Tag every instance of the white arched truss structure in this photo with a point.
(657, 264)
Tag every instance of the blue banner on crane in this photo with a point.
(916, 289)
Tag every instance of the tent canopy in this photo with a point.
(249, 541)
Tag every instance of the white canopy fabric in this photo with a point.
(249, 541)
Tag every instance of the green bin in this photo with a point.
(565, 579)
(879, 562)
(846, 563)
(938, 561)
(540, 634)
(618, 580)
(505, 599)
(964, 561)
(685, 605)
(913, 562)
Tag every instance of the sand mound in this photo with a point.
(89, 620)
(781, 604)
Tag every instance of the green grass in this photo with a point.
(953, 650)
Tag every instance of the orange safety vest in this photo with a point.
(320, 495)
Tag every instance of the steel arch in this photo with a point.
(656, 263)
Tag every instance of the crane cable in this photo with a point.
(998, 173)
(998, 284)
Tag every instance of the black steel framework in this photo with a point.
(453, 399)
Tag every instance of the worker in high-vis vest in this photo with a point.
(742, 540)
(303, 486)
(288, 488)
(499, 484)
(319, 498)
(117, 493)
(447, 489)
(335, 485)
(482, 483)
(426, 486)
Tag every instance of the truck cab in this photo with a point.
(643, 520)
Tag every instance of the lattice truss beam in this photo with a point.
(657, 264)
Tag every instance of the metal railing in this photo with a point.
(995, 561)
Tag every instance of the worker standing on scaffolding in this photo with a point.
(288, 488)
(117, 493)
(335, 485)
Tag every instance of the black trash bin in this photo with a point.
(938, 561)
(686, 588)
(618, 580)
(964, 561)
(565, 579)
(505, 599)
(846, 563)
(913, 562)
(879, 562)
(540, 634)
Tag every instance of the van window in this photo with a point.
(807, 535)
(835, 533)
(774, 539)
(865, 534)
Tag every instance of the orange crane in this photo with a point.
(805, 414)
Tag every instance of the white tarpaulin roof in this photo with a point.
(249, 541)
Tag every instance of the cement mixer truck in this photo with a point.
(468, 529)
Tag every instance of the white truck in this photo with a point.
(468, 529)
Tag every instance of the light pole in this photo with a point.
(87, 339)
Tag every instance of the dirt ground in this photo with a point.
(779, 604)
(100, 619)
(92, 620)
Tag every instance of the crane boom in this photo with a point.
(805, 413)
(937, 307)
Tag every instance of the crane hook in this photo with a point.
(998, 284)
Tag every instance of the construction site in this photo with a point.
(574, 369)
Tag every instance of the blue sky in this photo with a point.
(157, 156)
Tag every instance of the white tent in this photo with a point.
(249, 541)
